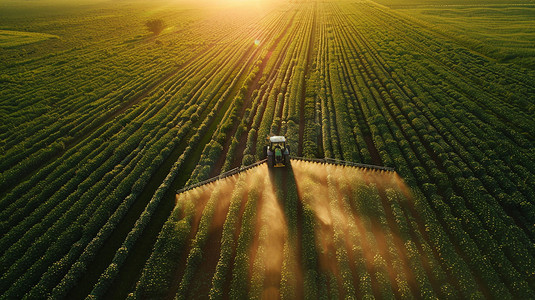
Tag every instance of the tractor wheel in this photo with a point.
(270, 161)
(287, 160)
(265, 151)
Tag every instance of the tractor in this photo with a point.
(277, 152)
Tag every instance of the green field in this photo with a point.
(17, 38)
(101, 121)
(503, 30)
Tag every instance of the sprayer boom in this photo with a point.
(221, 176)
(344, 163)
(316, 160)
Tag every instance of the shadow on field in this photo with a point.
(285, 188)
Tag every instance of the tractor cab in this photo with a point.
(277, 152)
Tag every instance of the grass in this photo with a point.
(502, 30)
(9, 38)
(436, 3)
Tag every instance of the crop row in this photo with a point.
(346, 247)
(114, 164)
(395, 110)
(377, 92)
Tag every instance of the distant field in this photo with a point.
(419, 3)
(10, 38)
(503, 30)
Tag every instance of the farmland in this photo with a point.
(315, 229)
(17, 38)
(101, 122)
(501, 30)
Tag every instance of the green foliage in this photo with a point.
(155, 26)
(97, 125)
(227, 241)
(10, 39)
